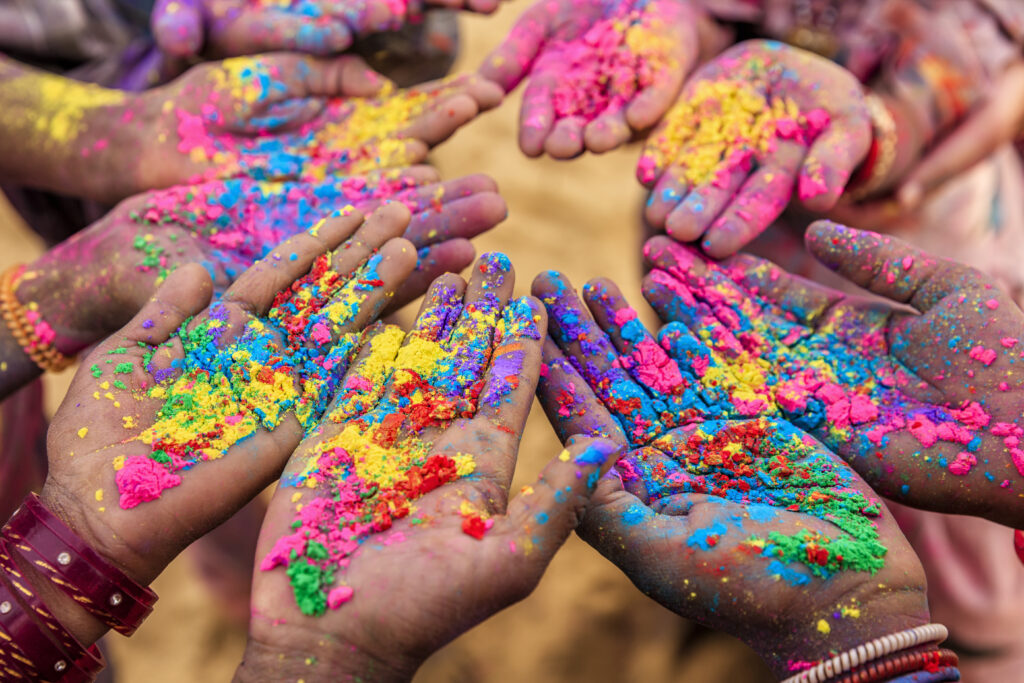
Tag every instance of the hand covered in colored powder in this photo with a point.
(754, 124)
(399, 502)
(747, 525)
(234, 383)
(598, 70)
(229, 28)
(289, 117)
(919, 390)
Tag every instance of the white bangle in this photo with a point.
(870, 651)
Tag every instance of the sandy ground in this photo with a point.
(585, 621)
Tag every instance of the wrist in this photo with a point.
(41, 289)
(821, 634)
(318, 657)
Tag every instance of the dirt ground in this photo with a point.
(585, 621)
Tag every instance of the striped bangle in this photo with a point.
(901, 663)
(870, 651)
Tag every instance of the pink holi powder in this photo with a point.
(653, 367)
(963, 463)
(923, 430)
(1008, 342)
(143, 479)
(992, 304)
(339, 596)
(984, 356)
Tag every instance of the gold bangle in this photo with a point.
(884, 128)
(43, 354)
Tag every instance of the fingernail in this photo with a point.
(909, 196)
(596, 453)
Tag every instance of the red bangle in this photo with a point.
(60, 555)
(45, 652)
(1018, 544)
(903, 663)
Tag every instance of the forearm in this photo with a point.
(59, 134)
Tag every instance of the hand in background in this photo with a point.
(752, 126)
(597, 70)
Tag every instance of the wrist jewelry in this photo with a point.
(902, 663)
(57, 552)
(870, 651)
(881, 157)
(43, 353)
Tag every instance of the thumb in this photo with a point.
(183, 294)
(543, 515)
(178, 27)
(887, 266)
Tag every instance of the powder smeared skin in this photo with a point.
(856, 379)
(351, 136)
(708, 447)
(379, 460)
(222, 393)
(725, 125)
(602, 71)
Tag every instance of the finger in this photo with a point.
(385, 223)
(702, 205)
(440, 309)
(280, 116)
(268, 30)
(451, 256)
(536, 114)
(761, 199)
(509, 63)
(184, 293)
(674, 59)
(569, 402)
(367, 375)
(177, 27)
(490, 287)
(438, 122)
(593, 355)
(667, 194)
(642, 357)
(434, 194)
(255, 289)
(807, 301)
(832, 157)
(887, 266)
(996, 122)
(464, 218)
(607, 132)
(369, 289)
(510, 382)
(566, 138)
(547, 512)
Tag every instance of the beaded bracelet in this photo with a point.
(61, 556)
(902, 663)
(870, 651)
(43, 353)
(52, 656)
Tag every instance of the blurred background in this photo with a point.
(585, 621)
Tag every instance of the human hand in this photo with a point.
(747, 525)
(286, 117)
(230, 28)
(752, 125)
(399, 502)
(93, 283)
(192, 409)
(917, 389)
(598, 70)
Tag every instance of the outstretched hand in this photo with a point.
(597, 70)
(175, 422)
(752, 126)
(745, 524)
(231, 28)
(917, 388)
(393, 522)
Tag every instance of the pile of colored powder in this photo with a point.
(351, 136)
(608, 66)
(765, 462)
(242, 220)
(725, 125)
(222, 391)
(375, 459)
(837, 380)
